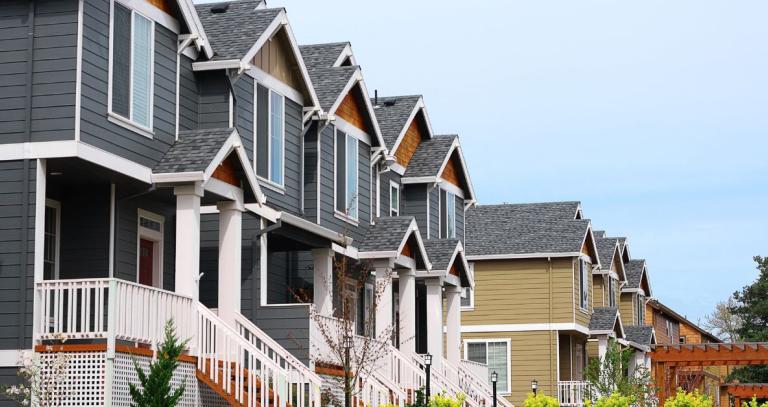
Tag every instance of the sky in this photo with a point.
(652, 113)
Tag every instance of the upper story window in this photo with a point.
(583, 284)
(640, 309)
(467, 297)
(611, 291)
(270, 142)
(394, 199)
(52, 240)
(447, 215)
(132, 66)
(347, 164)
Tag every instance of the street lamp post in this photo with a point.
(535, 386)
(428, 369)
(494, 379)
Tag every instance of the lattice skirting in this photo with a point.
(125, 373)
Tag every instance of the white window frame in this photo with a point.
(394, 186)
(280, 185)
(450, 197)
(337, 213)
(158, 238)
(468, 292)
(640, 315)
(508, 343)
(56, 206)
(116, 118)
(612, 284)
(583, 285)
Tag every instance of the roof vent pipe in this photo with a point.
(219, 8)
(375, 97)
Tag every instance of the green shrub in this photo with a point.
(541, 400)
(155, 389)
(614, 400)
(754, 403)
(683, 399)
(441, 400)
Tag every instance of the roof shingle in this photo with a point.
(642, 334)
(232, 33)
(321, 55)
(329, 83)
(386, 234)
(193, 151)
(440, 252)
(606, 247)
(634, 272)
(392, 113)
(603, 319)
(429, 156)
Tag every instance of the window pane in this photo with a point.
(121, 57)
(276, 139)
(49, 243)
(142, 70)
(394, 200)
(466, 300)
(341, 165)
(262, 132)
(476, 352)
(352, 193)
(450, 215)
(497, 362)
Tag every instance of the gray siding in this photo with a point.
(327, 204)
(214, 99)
(8, 377)
(37, 73)
(385, 179)
(189, 96)
(415, 204)
(244, 118)
(310, 174)
(17, 234)
(460, 219)
(434, 213)
(95, 128)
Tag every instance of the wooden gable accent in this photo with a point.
(588, 249)
(277, 59)
(352, 109)
(454, 271)
(616, 261)
(451, 171)
(407, 250)
(410, 142)
(227, 171)
(168, 6)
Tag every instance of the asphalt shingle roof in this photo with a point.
(429, 156)
(603, 319)
(598, 233)
(193, 151)
(321, 55)
(392, 113)
(233, 32)
(523, 229)
(642, 334)
(634, 270)
(386, 234)
(440, 252)
(606, 246)
(329, 83)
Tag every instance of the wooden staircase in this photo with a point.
(221, 378)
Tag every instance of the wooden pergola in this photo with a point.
(669, 359)
(744, 392)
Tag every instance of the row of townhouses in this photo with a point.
(164, 160)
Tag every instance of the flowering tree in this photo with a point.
(43, 379)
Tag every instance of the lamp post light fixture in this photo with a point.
(494, 379)
(428, 369)
(535, 386)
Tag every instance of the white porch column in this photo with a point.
(453, 325)
(188, 238)
(323, 281)
(230, 255)
(383, 270)
(602, 346)
(407, 295)
(435, 320)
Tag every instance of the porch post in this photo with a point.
(435, 320)
(188, 238)
(602, 346)
(407, 295)
(383, 270)
(322, 260)
(453, 322)
(230, 254)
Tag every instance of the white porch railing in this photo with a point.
(477, 369)
(572, 393)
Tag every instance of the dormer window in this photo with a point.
(347, 164)
(448, 215)
(394, 199)
(132, 67)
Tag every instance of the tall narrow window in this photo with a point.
(641, 310)
(496, 355)
(584, 283)
(276, 137)
(450, 215)
(394, 199)
(51, 241)
(132, 66)
(347, 200)
(467, 297)
(611, 291)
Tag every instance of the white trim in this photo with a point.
(129, 125)
(337, 213)
(153, 13)
(397, 168)
(439, 210)
(418, 106)
(456, 147)
(419, 180)
(79, 68)
(343, 216)
(230, 110)
(56, 206)
(11, 357)
(112, 202)
(275, 84)
(113, 162)
(512, 256)
(447, 186)
(471, 306)
(560, 326)
(225, 190)
(319, 174)
(453, 203)
(193, 22)
(345, 53)
(269, 140)
(394, 185)
(158, 240)
(263, 254)
(178, 177)
(508, 342)
(40, 199)
(217, 65)
(352, 131)
(313, 228)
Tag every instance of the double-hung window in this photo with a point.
(496, 355)
(611, 291)
(447, 215)
(641, 310)
(132, 66)
(394, 199)
(347, 164)
(584, 284)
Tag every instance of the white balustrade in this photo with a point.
(572, 393)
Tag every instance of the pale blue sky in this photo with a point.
(653, 113)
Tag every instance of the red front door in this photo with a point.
(146, 261)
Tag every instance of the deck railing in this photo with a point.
(572, 393)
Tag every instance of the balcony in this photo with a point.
(572, 393)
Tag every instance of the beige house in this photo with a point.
(529, 314)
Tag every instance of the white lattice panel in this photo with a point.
(82, 381)
(209, 398)
(125, 373)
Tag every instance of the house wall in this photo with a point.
(384, 179)
(213, 99)
(581, 316)
(519, 292)
(95, 128)
(663, 335)
(189, 96)
(533, 355)
(8, 377)
(37, 90)
(599, 292)
(17, 249)
(627, 304)
(415, 204)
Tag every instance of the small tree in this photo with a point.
(43, 380)
(155, 388)
(751, 307)
(611, 375)
(723, 323)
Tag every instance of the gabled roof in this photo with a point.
(546, 211)
(605, 320)
(325, 55)
(330, 83)
(606, 248)
(444, 254)
(187, 8)
(637, 274)
(197, 154)
(658, 305)
(430, 159)
(504, 231)
(599, 234)
(233, 32)
(388, 236)
(640, 334)
(395, 114)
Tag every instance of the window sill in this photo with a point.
(130, 125)
(280, 189)
(467, 308)
(345, 218)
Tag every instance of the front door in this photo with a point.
(146, 261)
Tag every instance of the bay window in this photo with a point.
(347, 167)
(132, 66)
(495, 354)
